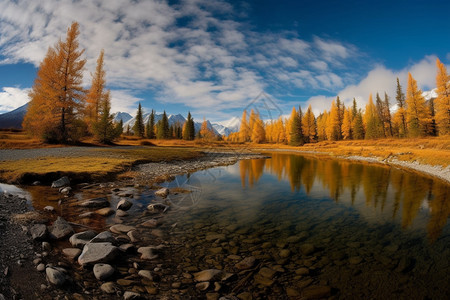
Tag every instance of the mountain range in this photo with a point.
(14, 119)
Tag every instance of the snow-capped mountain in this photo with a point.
(122, 116)
(227, 127)
(13, 119)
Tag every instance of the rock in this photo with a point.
(134, 236)
(105, 212)
(60, 229)
(202, 286)
(120, 228)
(404, 265)
(40, 267)
(49, 208)
(354, 260)
(152, 223)
(95, 202)
(302, 271)
(245, 296)
(292, 293)
(103, 237)
(157, 207)
(88, 214)
(38, 231)
(285, 253)
(266, 272)
(37, 261)
(46, 246)
(82, 238)
(120, 213)
(65, 190)
(127, 248)
(36, 183)
(146, 274)
(131, 295)
(263, 280)
(124, 204)
(97, 253)
(71, 253)
(147, 253)
(307, 249)
(215, 237)
(207, 275)
(55, 276)
(109, 287)
(164, 192)
(103, 271)
(63, 181)
(316, 292)
(246, 263)
(212, 296)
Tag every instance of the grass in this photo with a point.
(106, 165)
(431, 150)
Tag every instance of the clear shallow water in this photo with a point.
(378, 232)
(366, 231)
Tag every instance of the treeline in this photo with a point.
(414, 117)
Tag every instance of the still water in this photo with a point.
(371, 232)
(348, 230)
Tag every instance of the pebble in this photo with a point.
(207, 275)
(202, 286)
(152, 223)
(109, 287)
(316, 292)
(246, 263)
(124, 205)
(354, 260)
(40, 267)
(55, 276)
(131, 295)
(103, 271)
(120, 213)
(147, 253)
(71, 253)
(120, 228)
(307, 249)
(146, 274)
(105, 212)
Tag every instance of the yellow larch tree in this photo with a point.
(347, 125)
(418, 115)
(244, 130)
(442, 101)
(258, 132)
(322, 121)
(309, 125)
(372, 122)
(332, 128)
(96, 93)
(57, 96)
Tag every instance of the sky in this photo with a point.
(215, 58)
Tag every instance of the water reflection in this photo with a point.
(402, 195)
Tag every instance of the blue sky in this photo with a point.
(214, 57)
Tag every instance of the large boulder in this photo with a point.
(104, 237)
(82, 238)
(63, 181)
(94, 253)
(60, 229)
(95, 203)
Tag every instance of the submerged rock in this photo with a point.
(131, 295)
(105, 212)
(158, 207)
(109, 288)
(307, 249)
(147, 253)
(119, 228)
(152, 223)
(124, 204)
(63, 181)
(246, 263)
(316, 292)
(98, 253)
(95, 202)
(207, 275)
(60, 229)
(71, 253)
(164, 192)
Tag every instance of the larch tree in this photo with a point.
(96, 93)
(244, 130)
(372, 121)
(309, 126)
(443, 99)
(258, 132)
(206, 132)
(417, 114)
(380, 111)
(357, 122)
(387, 115)
(104, 128)
(322, 121)
(340, 117)
(400, 114)
(333, 123)
(57, 95)
(138, 127)
(295, 136)
(347, 132)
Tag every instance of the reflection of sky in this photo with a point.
(14, 190)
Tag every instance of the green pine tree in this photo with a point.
(104, 129)
(189, 129)
(138, 127)
(150, 131)
(163, 131)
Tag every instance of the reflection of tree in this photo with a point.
(383, 187)
(439, 209)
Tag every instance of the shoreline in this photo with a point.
(438, 172)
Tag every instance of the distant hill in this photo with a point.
(13, 119)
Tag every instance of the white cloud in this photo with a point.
(193, 52)
(12, 98)
(124, 101)
(380, 79)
